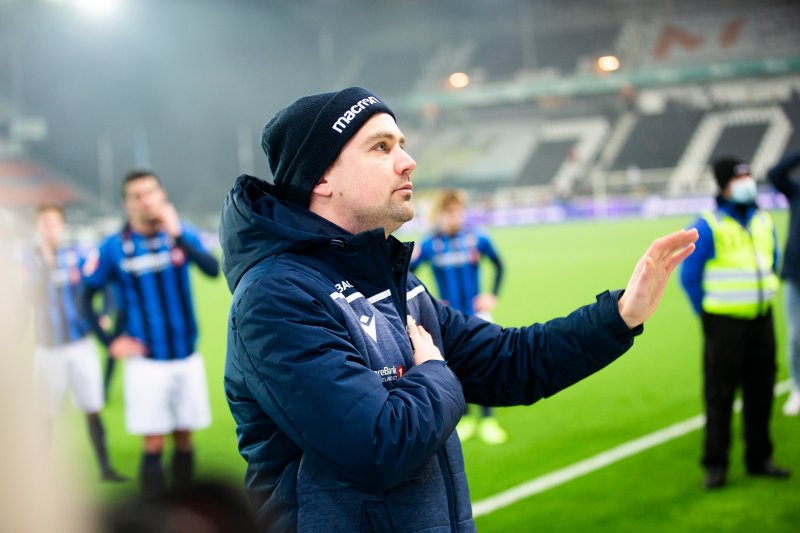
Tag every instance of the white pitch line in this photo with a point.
(627, 449)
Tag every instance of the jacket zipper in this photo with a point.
(448, 486)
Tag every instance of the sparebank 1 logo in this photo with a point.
(391, 373)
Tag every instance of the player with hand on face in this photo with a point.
(164, 378)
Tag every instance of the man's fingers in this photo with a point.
(411, 328)
(668, 245)
(421, 342)
(416, 330)
(679, 256)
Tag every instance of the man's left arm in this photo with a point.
(510, 366)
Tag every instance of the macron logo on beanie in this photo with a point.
(348, 116)
(300, 145)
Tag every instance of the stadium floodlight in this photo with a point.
(458, 80)
(608, 63)
(97, 8)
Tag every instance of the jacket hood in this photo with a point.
(255, 225)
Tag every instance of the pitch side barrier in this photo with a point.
(613, 208)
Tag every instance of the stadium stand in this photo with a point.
(545, 162)
(696, 79)
(657, 141)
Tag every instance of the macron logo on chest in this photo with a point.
(348, 116)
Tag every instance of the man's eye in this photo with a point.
(380, 146)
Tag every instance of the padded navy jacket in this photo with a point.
(339, 428)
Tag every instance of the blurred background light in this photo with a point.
(608, 63)
(458, 80)
(97, 8)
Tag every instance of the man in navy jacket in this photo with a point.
(345, 377)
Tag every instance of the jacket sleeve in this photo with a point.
(512, 366)
(780, 174)
(306, 375)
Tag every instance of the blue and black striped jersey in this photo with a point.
(151, 274)
(455, 261)
(57, 290)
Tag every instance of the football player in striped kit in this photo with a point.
(164, 377)
(66, 357)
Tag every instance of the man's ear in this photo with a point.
(323, 186)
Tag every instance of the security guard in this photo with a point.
(731, 283)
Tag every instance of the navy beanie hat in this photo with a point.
(303, 139)
(727, 168)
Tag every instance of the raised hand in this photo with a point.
(170, 221)
(646, 286)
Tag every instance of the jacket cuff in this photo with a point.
(617, 327)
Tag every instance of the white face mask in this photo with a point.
(743, 190)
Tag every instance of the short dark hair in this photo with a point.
(136, 174)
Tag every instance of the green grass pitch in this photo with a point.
(551, 270)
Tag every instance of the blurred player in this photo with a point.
(34, 494)
(66, 356)
(731, 284)
(164, 378)
(454, 253)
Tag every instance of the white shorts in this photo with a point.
(74, 367)
(165, 396)
(484, 315)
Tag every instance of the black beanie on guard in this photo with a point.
(303, 139)
(727, 168)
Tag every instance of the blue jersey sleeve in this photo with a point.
(190, 242)
(192, 237)
(98, 270)
(422, 254)
(691, 274)
(98, 266)
(486, 248)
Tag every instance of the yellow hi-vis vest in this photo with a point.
(739, 281)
